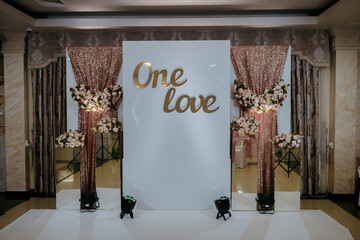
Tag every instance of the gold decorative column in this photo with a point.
(344, 93)
(14, 92)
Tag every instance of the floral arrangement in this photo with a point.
(287, 141)
(70, 140)
(84, 98)
(271, 100)
(108, 124)
(109, 98)
(96, 102)
(245, 125)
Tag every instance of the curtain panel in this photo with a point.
(98, 68)
(259, 67)
(49, 110)
(305, 121)
(309, 45)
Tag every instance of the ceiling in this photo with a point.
(39, 8)
(95, 14)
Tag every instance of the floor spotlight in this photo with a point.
(265, 202)
(88, 201)
(127, 205)
(223, 206)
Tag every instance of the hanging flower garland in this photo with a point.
(108, 124)
(70, 140)
(245, 125)
(96, 102)
(271, 100)
(287, 141)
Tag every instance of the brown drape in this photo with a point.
(49, 99)
(259, 67)
(98, 68)
(305, 120)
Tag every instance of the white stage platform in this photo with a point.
(174, 225)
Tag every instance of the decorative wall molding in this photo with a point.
(14, 42)
(345, 39)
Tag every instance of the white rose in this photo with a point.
(115, 129)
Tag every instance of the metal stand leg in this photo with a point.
(102, 149)
(289, 169)
(73, 161)
(117, 141)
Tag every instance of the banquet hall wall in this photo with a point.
(344, 88)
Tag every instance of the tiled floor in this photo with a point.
(348, 202)
(7, 203)
(336, 212)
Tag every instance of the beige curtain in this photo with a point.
(305, 121)
(49, 98)
(98, 68)
(259, 67)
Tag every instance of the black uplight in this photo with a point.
(127, 205)
(265, 202)
(223, 206)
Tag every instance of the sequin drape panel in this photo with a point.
(98, 68)
(259, 67)
(49, 99)
(305, 121)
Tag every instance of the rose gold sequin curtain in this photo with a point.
(98, 68)
(259, 67)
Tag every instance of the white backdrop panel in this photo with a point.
(71, 107)
(284, 112)
(177, 160)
